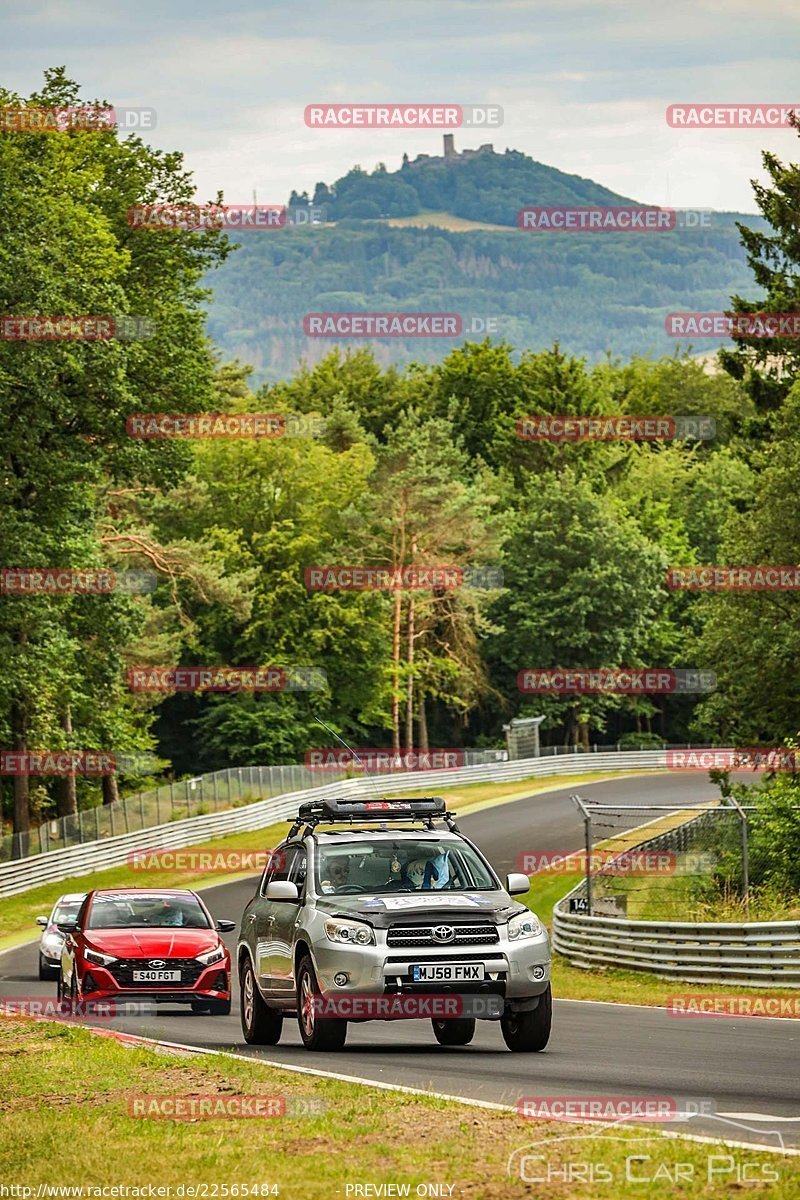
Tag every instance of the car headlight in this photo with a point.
(352, 933)
(524, 925)
(101, 960)
(211, 956)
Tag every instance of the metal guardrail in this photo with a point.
(216, 791)
(21, 874)
(738, 953)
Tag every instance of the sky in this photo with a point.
(584, 86)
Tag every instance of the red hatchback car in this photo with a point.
(143, 943)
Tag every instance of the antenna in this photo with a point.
(344, 743)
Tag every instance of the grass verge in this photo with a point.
(66, 1090)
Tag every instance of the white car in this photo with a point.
(64, 909)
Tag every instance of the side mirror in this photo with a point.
(517, 884)
(226, 926)
(281, 889)
(42, 921)
(68, 926)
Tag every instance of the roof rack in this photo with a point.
(337, 811)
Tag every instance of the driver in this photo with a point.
(172, 914)
(338, 875)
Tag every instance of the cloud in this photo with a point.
(584, 84)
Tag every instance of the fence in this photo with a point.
(213, 792)
(591, 926)
(20, 874)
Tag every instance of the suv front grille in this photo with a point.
(422, 935)
(190, 970)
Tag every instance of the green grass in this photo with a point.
(695, 898)
(67, 1121)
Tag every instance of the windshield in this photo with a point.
(134, 912)
(392, 865)
(67, 911)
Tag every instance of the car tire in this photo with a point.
(529, 1032)
(261, 1025)
(73, 996)
(454, 1031)
(46, 971)
(318, 1033)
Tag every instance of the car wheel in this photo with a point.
(529, 1032)
(318, 1033)
(454, 1031)
(73, 996)
(45, 970)
(261, 1026)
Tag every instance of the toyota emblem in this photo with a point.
(443, 933)
(157, 962)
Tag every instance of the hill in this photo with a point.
(478, 185)
(440, 235)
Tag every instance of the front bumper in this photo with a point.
(515, 970)
(213, 983)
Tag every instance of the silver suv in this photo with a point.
(354, 923)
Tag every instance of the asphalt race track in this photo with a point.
(749, 1068)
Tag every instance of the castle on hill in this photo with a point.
(450, 153)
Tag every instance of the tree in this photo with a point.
(63, 404)
(769, 366)
(752, 639)
(433, 510)
(583, 589)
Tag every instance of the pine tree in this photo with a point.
(769, 366)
